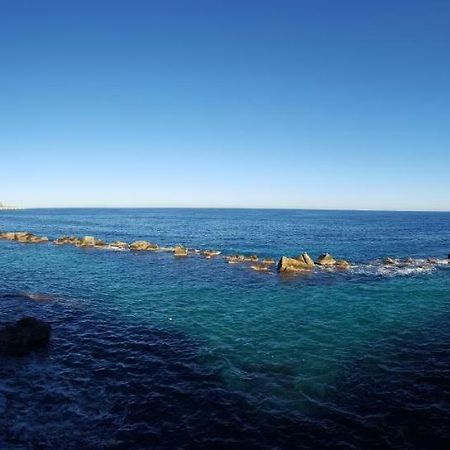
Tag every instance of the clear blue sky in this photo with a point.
(308, 104)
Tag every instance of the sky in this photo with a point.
(225, 103)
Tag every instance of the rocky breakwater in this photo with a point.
(24, 336)
(23, 237)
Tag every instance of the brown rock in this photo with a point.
(234, 259)
(305, 259)
(86, 241)
(180, 251)
(326, 260)
(208, 254)
(342, 264)
(292, 265)
(143, 245)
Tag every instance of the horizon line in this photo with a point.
(232, 207)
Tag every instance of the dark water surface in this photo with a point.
(152, 352)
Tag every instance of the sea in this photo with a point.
(150, 351)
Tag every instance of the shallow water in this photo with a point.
(150, 351)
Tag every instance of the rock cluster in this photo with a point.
(24, 336)
(305, 263)
(236, 259)
(23, 237)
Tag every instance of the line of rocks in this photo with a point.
(286, 264)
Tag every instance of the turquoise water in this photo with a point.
(152, 351)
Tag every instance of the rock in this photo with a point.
(62, 240)
(292, 265)
(180, 251)
(142, 246)
(235, 259)
(326, 260)
(23, 237)
(86, 241)
(408, 260)
(305, 259)
(388, 261)
(25, 335)
(208, 254)
(432, 261)
(10, 236)
(38, 239)
(342, 264)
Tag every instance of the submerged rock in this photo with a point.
(142, 246)
(286, 264)
(118, 245)
(268, 261)
(180, 251)
(326, 260)
(260, 267)
(25, 335)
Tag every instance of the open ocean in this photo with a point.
(150, 351)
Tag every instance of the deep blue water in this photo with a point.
(149, 351)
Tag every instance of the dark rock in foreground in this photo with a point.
(24, 336)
